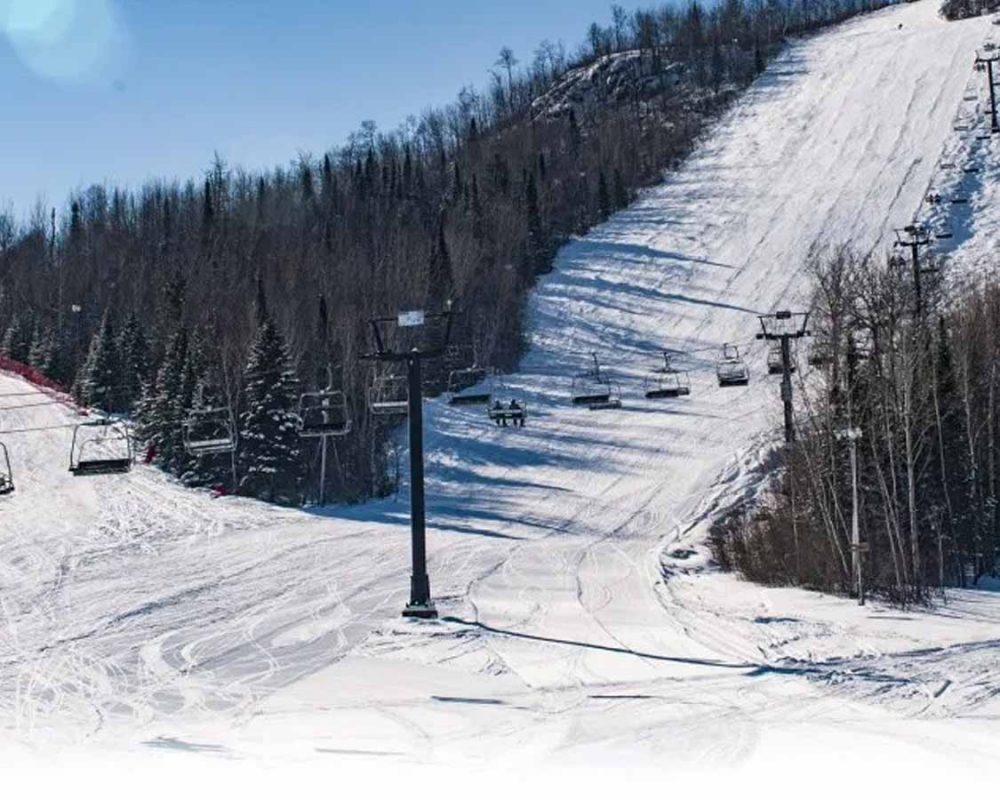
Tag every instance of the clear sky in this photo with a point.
(122, 90)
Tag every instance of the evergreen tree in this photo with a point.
(161, 413)
(622, 197)
(537, 245)
(19, 337)
(133, 351)
(440, 278)
(270, 456)
(603, 196)
(99, 380)
(43, 349)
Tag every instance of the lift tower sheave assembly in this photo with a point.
(421, 605)
(783, 327)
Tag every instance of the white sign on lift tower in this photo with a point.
(411, 319)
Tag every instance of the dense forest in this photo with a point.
(249, 288)
(920, 381)
(962, 9)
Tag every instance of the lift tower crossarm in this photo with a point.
(784, 326)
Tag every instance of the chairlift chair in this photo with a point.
(209, 431)
(389, 396)
(666, 382)
(590, 387)
(732, 370)
(324, 413)
(505, 413)
(819, 354)
(776, 361)
(612, 400)
(101, 447)
(469, 387)
(6, 473)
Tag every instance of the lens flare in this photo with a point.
(76, 41)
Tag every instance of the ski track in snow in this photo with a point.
(567, 556)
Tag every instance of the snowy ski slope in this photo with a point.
(138, 614)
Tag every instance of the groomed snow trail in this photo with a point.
(139, 612)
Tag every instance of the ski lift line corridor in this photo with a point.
(525, 533)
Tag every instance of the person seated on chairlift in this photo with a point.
(517, 417)
(499, 417)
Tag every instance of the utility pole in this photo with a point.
(852, 435)
(783, 327)
(421, 605)
(914, 236)
(987, 60)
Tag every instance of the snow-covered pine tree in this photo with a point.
(99, 380)
(270, 457)
(18, 338)
(161, 412)
(43, 350)
(133, 351)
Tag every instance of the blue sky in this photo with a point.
(122, 90)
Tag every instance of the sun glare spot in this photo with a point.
(75, 41)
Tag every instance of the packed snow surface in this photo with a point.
(581, 623)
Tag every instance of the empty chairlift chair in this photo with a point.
(593, 390)
(389, 396)
(6, 473)
(101, 447)
(469, 386)
(819, 354)
(775, 362)
(209, 431)
(666, 382)
(324, 413)
(731, 369)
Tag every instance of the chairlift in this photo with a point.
(959, 200)
(324, 413)
(934, 198)
(666, 382)
(590, 387)
(515, 411)
(819, 354)
(469, 386)
(209, 431)
(101, 447)
(731, 369)
(940, 235)
(612, 400)
(6, 473)
(776, 360)
(389, 396)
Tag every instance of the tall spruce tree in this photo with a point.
(133, 352)
(161, 413)
(100, 379)
(270, 459)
